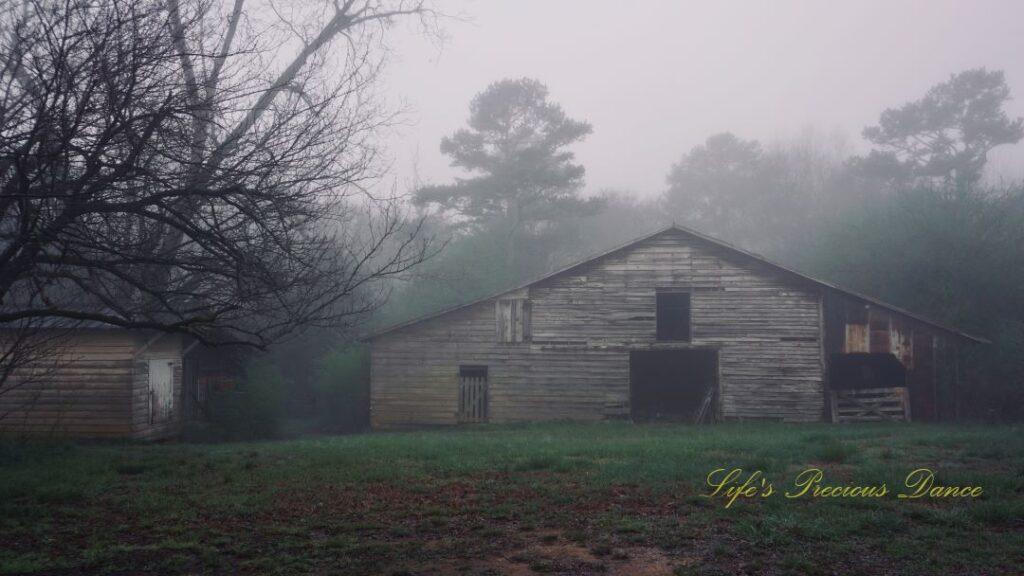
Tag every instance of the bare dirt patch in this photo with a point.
(560, 558)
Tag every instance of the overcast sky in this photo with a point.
(657, 78)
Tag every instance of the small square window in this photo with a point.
(673, 317)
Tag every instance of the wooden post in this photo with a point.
(956, 382)
(935, 379)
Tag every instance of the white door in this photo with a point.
(161, 389)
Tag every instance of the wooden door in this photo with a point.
(161, 389)
(473, 394)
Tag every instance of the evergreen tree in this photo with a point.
(944, 138)
(523, 179)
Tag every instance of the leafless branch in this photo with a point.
(163, 166)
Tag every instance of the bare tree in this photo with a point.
(164, 167)
(194, 166)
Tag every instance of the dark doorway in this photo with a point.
(862, 370)
(865, 387)
(674, 385)
(473, 401)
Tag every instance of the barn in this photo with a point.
(675, 325)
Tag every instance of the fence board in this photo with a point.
(870, 404)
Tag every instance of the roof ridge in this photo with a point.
(701, 236)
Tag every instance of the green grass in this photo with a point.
(601, 498)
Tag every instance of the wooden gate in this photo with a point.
(472, 394)
(870, 404)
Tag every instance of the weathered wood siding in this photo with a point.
(92, 387)
(766, 326)
(82, 391)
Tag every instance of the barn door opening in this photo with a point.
(673, 385)
(473, 394)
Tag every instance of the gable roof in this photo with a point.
(705, 238)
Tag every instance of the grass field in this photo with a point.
(603, 498)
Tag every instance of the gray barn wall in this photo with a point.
(766, 326)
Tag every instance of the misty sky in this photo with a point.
(657, 78)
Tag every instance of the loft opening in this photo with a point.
(673, 316)
(513, 319)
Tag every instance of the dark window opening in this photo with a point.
(473, 372)
(673, 322)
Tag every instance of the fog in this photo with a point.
(492, 242)
(657, 79)
(224, 185)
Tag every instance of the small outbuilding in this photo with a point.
(672, 326)
(98, 382)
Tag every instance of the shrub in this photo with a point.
(342, 389)
(252, 411)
